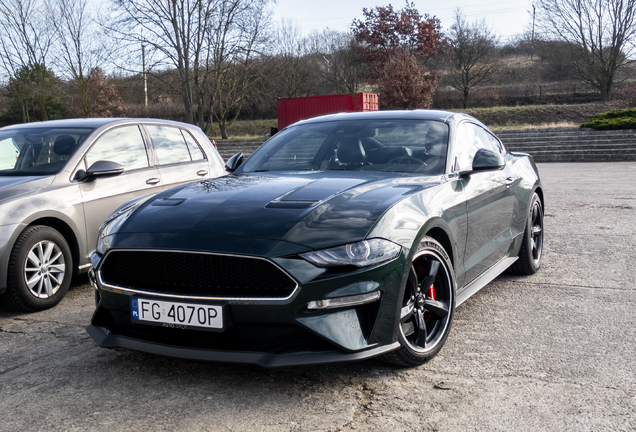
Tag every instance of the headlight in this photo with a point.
(115, 221)
(360, 254)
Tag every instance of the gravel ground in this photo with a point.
(554, 351)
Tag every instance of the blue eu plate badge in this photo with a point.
(135, 309)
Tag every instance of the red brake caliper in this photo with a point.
(430, 294)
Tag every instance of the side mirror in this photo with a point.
(234, 162)
(485, 160)
(101, 169)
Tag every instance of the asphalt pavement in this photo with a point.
(554, 351)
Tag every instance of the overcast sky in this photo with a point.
(506, 17)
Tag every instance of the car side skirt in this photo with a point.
(484, 279)
(268, 360)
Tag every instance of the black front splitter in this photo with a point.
(268, 360)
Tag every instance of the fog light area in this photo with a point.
(340, 302)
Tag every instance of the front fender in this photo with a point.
(442, 206)
(12, 232)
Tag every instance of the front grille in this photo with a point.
(197, 274)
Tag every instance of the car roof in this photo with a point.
(419, 114)
(94, 123)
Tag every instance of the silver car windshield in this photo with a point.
(33, 151)
(409, 146)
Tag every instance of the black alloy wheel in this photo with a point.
(427, 307)
(40, 269)
(532, 246)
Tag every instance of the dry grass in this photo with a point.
(498, 118)
(245, 129)
(541, 115)
(553, 125)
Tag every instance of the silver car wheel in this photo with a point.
(44, 269)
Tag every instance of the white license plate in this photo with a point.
(176, 314)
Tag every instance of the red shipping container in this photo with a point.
(294, 109)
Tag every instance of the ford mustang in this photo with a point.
(343, 237)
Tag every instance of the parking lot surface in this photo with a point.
(553, 351)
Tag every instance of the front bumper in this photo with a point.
(270, 333)
(105, 339)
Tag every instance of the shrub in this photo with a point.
(617, 119)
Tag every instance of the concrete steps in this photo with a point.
(228, 148)
(572, 144)
(545, 145)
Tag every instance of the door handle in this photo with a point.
(509, 181)
(202, 173)
(152, 181)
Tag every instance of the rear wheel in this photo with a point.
(40, 269)
(427, 306)
(532, 246)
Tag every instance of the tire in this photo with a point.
(532, 245)
(40, 270)
(427, 308)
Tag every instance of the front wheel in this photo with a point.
(427, 306)
(40, 269)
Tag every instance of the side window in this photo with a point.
(466, 145)
(170, 146)
(195, 151)
(123, 145)
(496, 144)
(488, 141)
(471, 138)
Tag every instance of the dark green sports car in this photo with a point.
(343, 237)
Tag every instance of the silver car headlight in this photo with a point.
(360, 254)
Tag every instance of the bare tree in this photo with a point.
(471, 55)
(77, 48)
(202, 39)
(292, 66)
(239, 35)
(26, 37)
(25, 41)
(337, 62)
(600, 33)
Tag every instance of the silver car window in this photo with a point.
(170, 147)
(195, 151)
(123, 145)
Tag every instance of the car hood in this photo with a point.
(316, 210)
(15, 186)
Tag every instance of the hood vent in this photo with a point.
(291, 204)
(168, 202)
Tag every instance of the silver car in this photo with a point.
(59, 180)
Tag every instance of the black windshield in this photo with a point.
(410, 146)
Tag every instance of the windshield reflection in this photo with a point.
(408, 146)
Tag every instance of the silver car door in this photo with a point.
(124, 145)
(179, 157)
